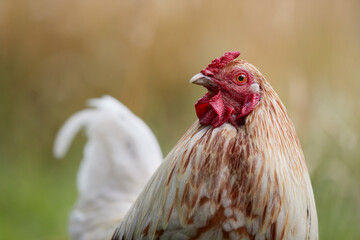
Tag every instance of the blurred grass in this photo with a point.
(56, 54)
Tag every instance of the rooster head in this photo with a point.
(233, 91)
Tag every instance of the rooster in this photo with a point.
(237, 173)
(119, 158)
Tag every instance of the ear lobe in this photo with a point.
(249, 104)
(254, 88)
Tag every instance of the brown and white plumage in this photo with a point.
(244, 179)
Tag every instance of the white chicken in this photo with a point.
(120, 156)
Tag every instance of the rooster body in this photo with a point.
(238, 172)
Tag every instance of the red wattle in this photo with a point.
(212, 111)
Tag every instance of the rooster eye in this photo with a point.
(241, 78)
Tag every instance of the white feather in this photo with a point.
(120, 156)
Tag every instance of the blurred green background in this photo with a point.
(54, 55)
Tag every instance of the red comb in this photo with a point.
(219, 63)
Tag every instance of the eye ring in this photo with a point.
(241, 78)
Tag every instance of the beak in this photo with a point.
(201, 79)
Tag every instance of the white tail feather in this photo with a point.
(68, 132)
(119, 157)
